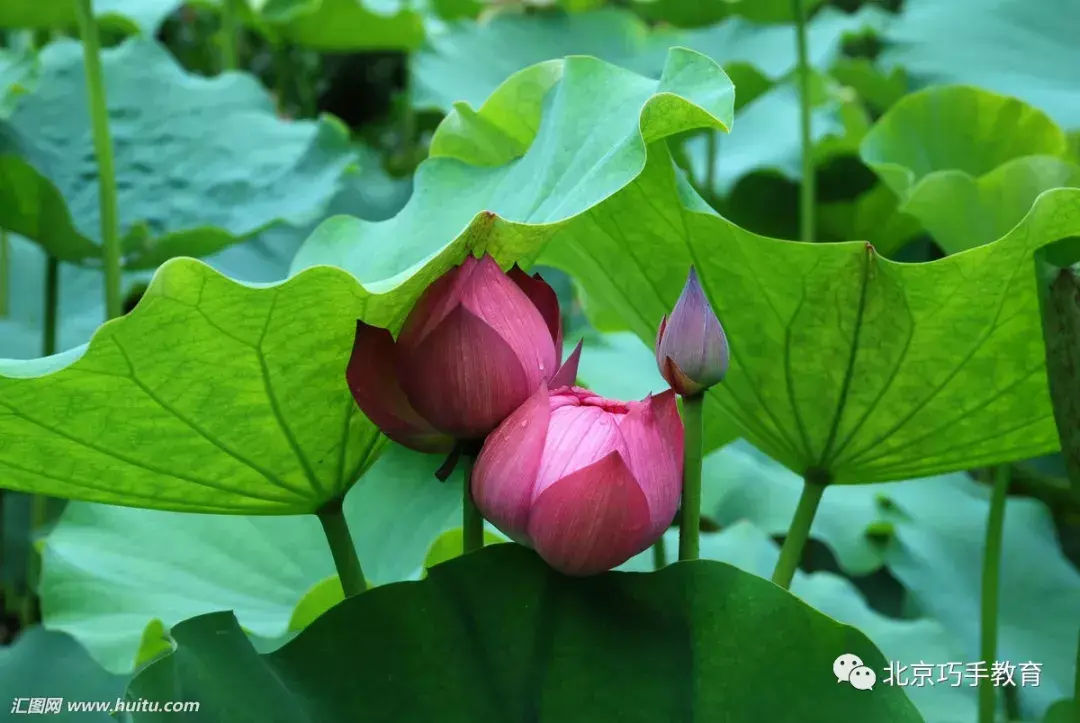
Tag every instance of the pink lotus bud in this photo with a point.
(691, 347)
(587, 482)
(477, 343)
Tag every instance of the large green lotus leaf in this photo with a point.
(695, 13)
(937, 554)
(874, 216)
(749, 548)
(467, 61)
(970, 178)
(128, 16)
(1026, 49)
(539, 646)
(841, 360)
(212, 396)
(368, 192)
(201, 163)
(45, 664)
(343, 25)
(109, 571)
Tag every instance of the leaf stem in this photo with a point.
(690, 522)
(52, 305)
(230, 55)
(5, 273)
(711, 138)
(472, 522)
(336, 528)
(814, 483)
(659, 553)
(806, 188)
(103, 149)
(991, 585)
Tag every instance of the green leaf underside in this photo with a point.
(468, 61)
(971, 177)
(129, 16)
(344, 25)
(194, 172)
(142, 409)
(840, 359)
(539, 646)
(963, 41)
(108, 572)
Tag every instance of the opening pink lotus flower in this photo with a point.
(587, 482)
(477, 343)
(691, 347)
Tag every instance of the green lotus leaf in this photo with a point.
(342, 25)
(468, 61)
(537, 646)
(907, 641)
(367, 192)
(1020, 48)
(127, 16)
(18, 73)
(44, 664)
(108, 572)
(701, 12)
(940, 537)
(213, 396)
(971, 178)
(194, 173)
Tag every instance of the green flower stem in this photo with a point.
(230, 31)
(103, 149)
(814, 483)
(690, 523)
(472, 522)
(991, 584)
(806, 189)
(659, 553)
(341, 547)
(5, 273)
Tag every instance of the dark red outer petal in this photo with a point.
(374, 385)
(544, 299)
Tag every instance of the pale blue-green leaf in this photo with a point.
(200, 163)
(109, 571)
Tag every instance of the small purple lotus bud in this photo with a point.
(691, 347)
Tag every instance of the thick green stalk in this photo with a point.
(806, 190)
(5, 273)
(347, 563)
(690, 522)
(230, 31)
(814, 484)
(103, 149)
(991, 584)
(659, 553)
(472, 522)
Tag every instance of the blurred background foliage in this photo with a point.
(365, 83)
